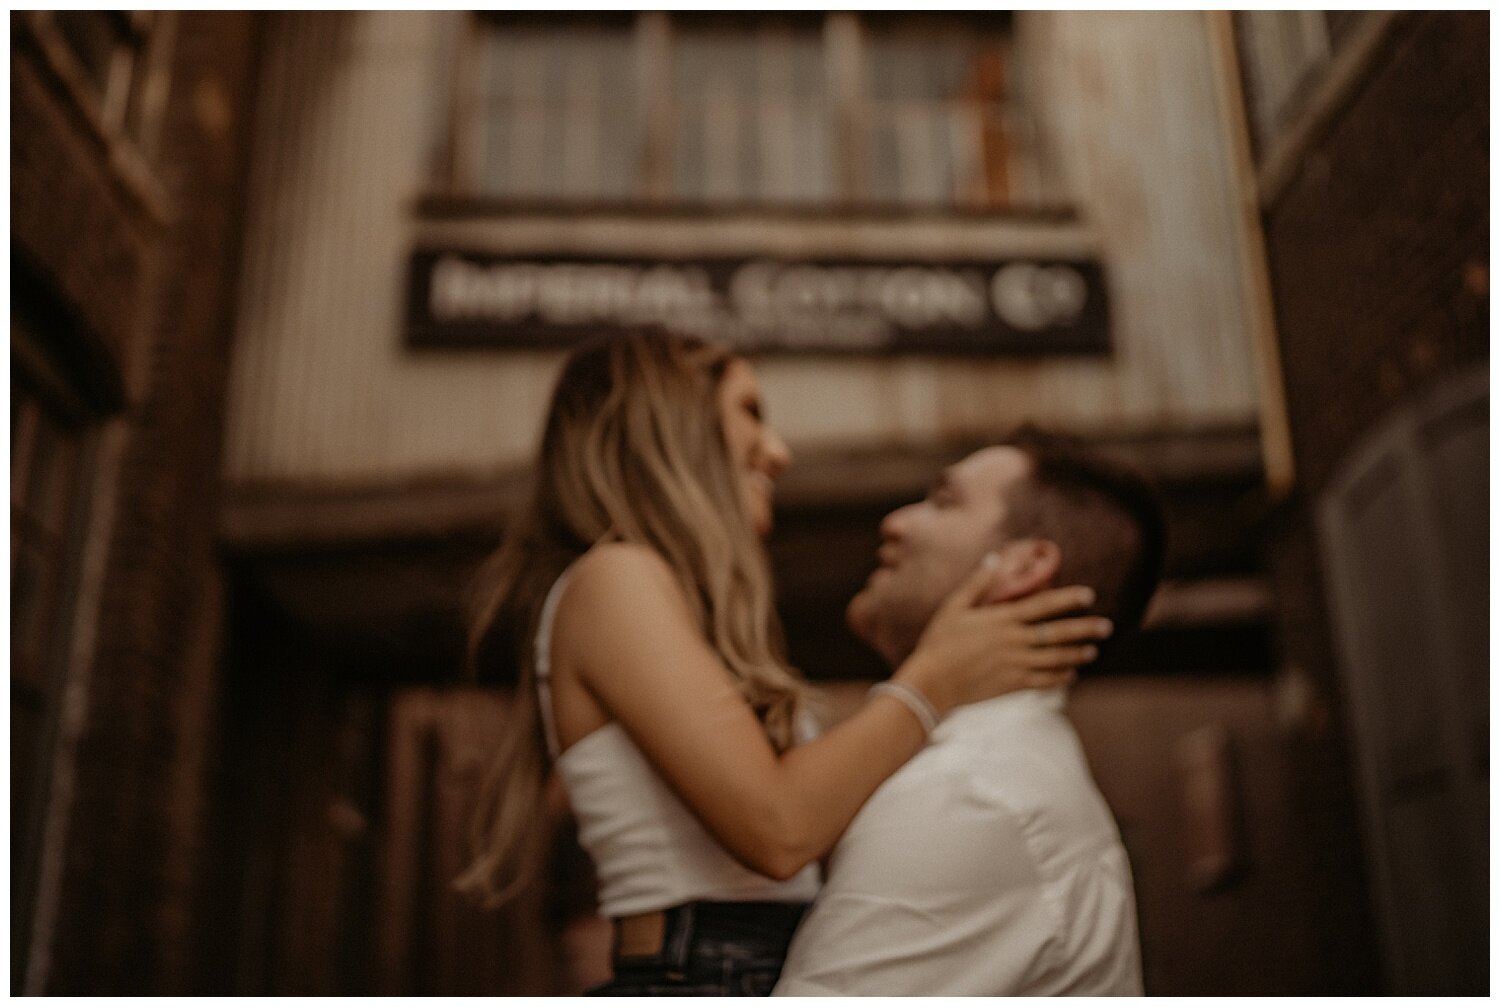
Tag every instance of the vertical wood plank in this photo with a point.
(1275, 425)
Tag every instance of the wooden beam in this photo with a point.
(288, 517)
(271, 517)
(1346, 71)
(1212, 601)
(1275, 427)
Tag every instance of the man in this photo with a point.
(989, 864)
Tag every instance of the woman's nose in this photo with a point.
(774, 452)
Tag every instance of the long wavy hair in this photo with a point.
(633, 451)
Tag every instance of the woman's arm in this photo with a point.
(624, 629)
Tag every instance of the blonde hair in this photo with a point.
(633, 451)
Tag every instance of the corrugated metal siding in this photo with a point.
(1132, 98)
(323, 391)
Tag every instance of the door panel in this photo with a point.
(1404, 537)
(431, 939)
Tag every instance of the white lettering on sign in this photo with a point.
(565, 293)
(1034, 297)
(913, 297)
(762, 302)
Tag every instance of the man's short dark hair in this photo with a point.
(1103, 516)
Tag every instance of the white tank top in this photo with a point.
(648, 850)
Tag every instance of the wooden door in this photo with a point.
(1405, 543)
(350, 825)
(429, 938)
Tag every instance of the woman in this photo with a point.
(635, 594)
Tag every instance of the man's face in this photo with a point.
(929, 547)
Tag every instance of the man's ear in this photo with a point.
(1026, 566)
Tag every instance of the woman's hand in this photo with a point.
(970, 653)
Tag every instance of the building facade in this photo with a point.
(348, 262)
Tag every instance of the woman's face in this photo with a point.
(757, 455)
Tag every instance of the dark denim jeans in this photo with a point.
(712, 949)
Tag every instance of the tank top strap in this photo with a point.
(542, 659)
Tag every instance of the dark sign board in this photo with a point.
(820, 305)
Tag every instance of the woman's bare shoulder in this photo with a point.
(623, 620)
(609, 562)
(615, 579)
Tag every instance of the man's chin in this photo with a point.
(865, 620)
(859, 615)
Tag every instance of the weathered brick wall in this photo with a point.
(124, 906)
(62, 191)
(1379, 248)
(1379, 255)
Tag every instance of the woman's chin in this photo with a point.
(762, 515)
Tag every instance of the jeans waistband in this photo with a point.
(720, 929)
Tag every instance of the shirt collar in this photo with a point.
(1012, 705)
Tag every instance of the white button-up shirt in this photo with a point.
(988, 865)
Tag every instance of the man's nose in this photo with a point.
(892, 525)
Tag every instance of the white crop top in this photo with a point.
(648, 849)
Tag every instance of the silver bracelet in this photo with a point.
(917, 703)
